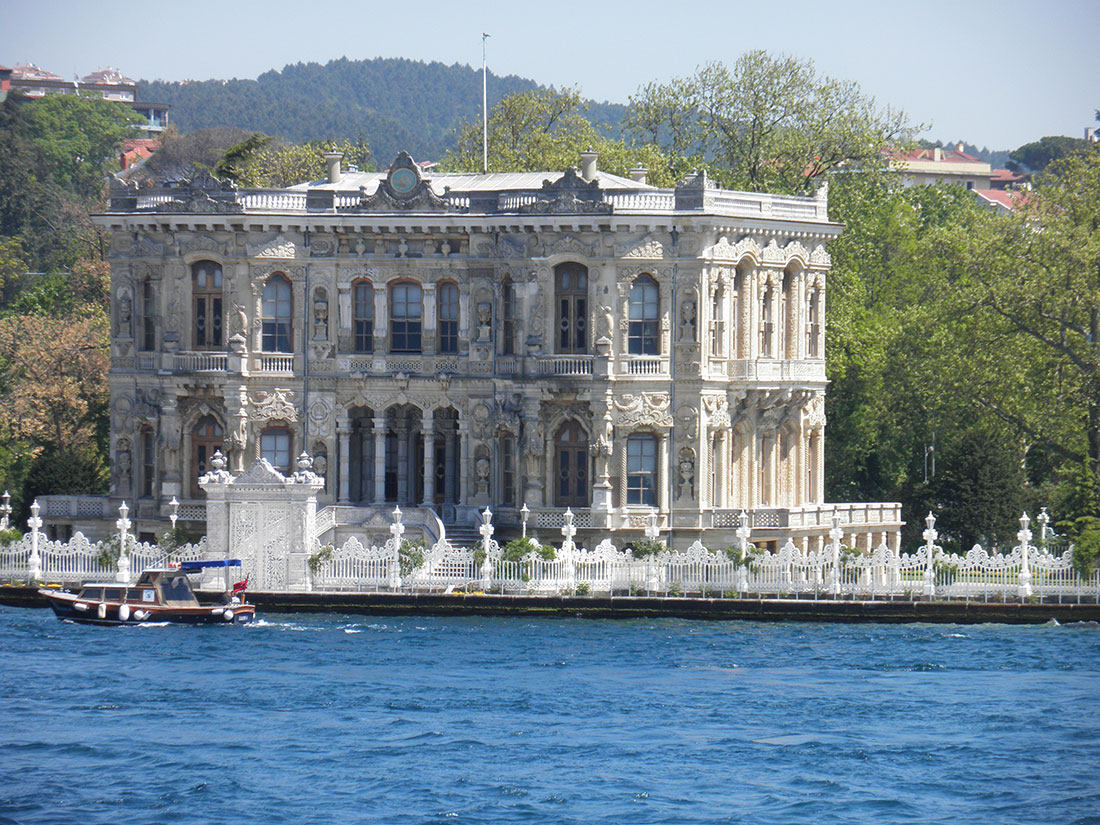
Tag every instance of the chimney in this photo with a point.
(937, 154)
(638, 173)
(332, 161)
(960, 148)
(588, 165)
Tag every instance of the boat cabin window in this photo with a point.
(112, 594)
(145, 578)
(176, 589)
(141, 594)
(92, 592)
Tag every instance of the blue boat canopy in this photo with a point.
(201, 565)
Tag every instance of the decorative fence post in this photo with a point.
(929, 535)
(486, 530)
(34, 572)
(123, 525)
(397, 530)
(5, 510)
(651, 533)
(1043, 520)
(1025, 566)
(743, 533)
(835, 535)
(175, 505)
(524, 513)
(567, 547)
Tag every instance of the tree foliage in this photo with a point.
(546, 130)
(765, 124)
(262, 161)
(1038, 155)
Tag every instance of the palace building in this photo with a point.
(527, 342)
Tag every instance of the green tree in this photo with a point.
(1038, 155)
(261, 161)
(78, 138)
(546, 130)
(766, 123)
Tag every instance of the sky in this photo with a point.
(995, 74)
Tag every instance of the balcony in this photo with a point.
(565, 365)
(266, 363)
(774, 369)
(642, 365)
(199, 361)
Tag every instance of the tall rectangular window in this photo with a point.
(644, 308)
(641, 470)
(571, 296)
(508, 318)
(448, 318)
(206, 298)
(277, 313)
(148, 317)
(508, 470)
(275, 448)
(405, 323)
(148, 462)
(813, 349)
(363, 317)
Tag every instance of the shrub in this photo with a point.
(643, 548)
(584, 589)
(174, 538)
(410, 555)
(516, 549)
(320, 557)
(1086, 545)
(10, 535)
(748, 559)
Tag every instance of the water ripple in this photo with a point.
(335, 718)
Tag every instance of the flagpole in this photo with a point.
(484, 110)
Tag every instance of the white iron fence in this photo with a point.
(832, 572)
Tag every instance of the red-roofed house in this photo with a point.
(135, 150)
(1002, 201)
(922, 167)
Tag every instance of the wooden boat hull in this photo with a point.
(72, 607)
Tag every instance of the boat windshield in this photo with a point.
(176, 589)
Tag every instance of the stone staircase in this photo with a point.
(463, 535)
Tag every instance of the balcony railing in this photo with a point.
(777, 370)
(566, 365)
(643, 365)
(266, 362)
(199, 361)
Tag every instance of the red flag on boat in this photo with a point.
(240, 586)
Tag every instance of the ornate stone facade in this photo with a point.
(466, 341)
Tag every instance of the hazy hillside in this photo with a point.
(394, 103)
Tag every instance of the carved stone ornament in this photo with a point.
(259, 473)
(568, 245)
(503, 247)
(568, 195)
(323, 246)
(649, 409)
(200, 243)
(815, 413)
(320, 418)
(717, 410)
(819, 257)
(277, 247)
(647, 247)
(724, 250)
(403, 189)
(272, 406)
(773, 254)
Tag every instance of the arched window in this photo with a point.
(206, 304)
(277, 312)
(507, 317)
(571, 466)
(275, 448)
(641, 469)
(148, 317)
(405, 323)
(448, 318)
(571, 299)
(643, 310)
(363, 316)
(206, 439)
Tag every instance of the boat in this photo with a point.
(160, 595)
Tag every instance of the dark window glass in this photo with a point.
(644, 307)
(363, 317)
(571, 297)
(405, 323)
(206, 295)
(508, 318)
(641, 470)
(448, 318)
(277, 310)
(148, 317)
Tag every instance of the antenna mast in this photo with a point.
(484, 110)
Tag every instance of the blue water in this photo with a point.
(334, 719)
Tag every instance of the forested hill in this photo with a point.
(393, 103)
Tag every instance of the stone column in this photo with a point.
(451, 467)
(620, 445)
(428, 429)
(463, 459)
(381, 321)
(430, 337)
(343, 438)
(722, 458)
(819, 468)
(792, 332)
(379, 459)
(663, 474)
(403, 429)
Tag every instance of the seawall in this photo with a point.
(634, 607)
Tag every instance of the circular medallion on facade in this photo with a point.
(403, 181)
